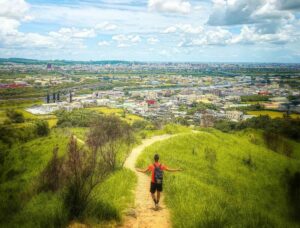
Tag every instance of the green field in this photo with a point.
(227, 181)
(130, 118)
(272, 114)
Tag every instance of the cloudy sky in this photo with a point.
(152, 30)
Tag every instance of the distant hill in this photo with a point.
(61, 62)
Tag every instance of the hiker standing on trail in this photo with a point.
(156, 170)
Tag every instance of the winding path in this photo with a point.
(144, 215)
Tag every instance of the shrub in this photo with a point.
(76, 118)
(107, 135)
(42, 128)
(15, 116)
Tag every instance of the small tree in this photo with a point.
(82, 173)
(106, 136)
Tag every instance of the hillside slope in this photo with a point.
(229, 180)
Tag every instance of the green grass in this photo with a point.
(130, 118)
(21, 169)
(111, 198)
(219, 187)
(22, 206)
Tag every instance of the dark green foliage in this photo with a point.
(15, 116)
(255, 98)
(286, 127)
(277, 143)
(76, 118)
(248, 161)
(42, 128)
(11, 134)
(200, 106)
(293, 184)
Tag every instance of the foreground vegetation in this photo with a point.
(229, 180)
(38, 180)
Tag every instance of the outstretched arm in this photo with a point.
(141, 170)
(173, 170)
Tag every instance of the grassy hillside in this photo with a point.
(229, 180)
(23, 205)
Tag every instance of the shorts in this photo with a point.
(155, 187)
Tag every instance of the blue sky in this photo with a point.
(152, 30)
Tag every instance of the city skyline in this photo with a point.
(153, 30)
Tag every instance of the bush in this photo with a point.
(15, 116)
(42, 128)
(139, 124)
(76, 118)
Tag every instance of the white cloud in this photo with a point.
(103, 43)
(188, 28)
(106, 26)
(249, 35)
(235, 12)
(152, 40)
(14, 9)
(170, 29)
(135, 39)
(67, 33)
(126, 40)
(170, 6)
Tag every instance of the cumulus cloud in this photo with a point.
(289, 4)
(170, 6)
(126, 40)
(152, 40)
(249, 35)
(235, 12)
(170, 29)
(103, 43)
(186, 28)
(16, 9)
(216, 36)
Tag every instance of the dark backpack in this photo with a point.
(158, 174)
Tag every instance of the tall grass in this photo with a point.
(228, 181)
(22, 204)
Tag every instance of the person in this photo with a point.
(156, 185)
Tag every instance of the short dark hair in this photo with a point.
(156, 157)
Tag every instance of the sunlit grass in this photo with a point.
(228, 191)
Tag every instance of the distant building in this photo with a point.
(49, 66)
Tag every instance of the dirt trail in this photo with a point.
(144, 215)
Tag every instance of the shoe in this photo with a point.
(156, 206)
